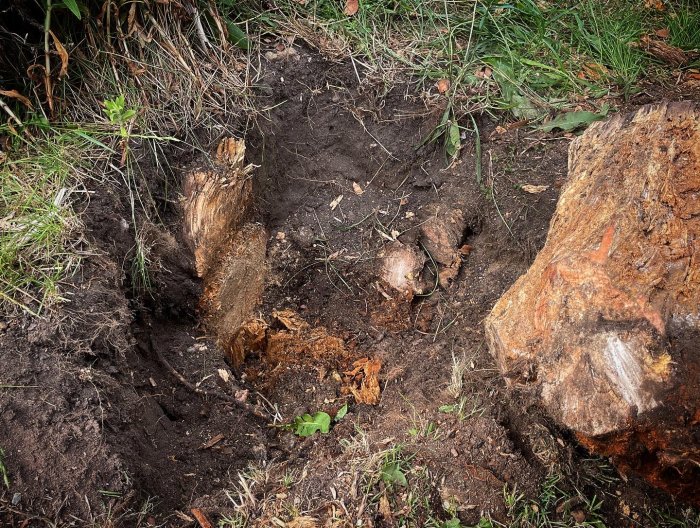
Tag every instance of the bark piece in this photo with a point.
(441, 235)
(605, 325)
(665, 52)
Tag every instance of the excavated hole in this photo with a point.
(302, 271)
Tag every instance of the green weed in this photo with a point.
(307, 424)
(118, 114)
(463, 408)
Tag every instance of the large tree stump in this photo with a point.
(605, 325)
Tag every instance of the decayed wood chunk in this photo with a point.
(229, 254)
(441, 235)
(401, 266)
(216, 201)
(233, 291)
(605, 325)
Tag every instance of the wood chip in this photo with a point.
(211, 443)
(365, 385)
(385, 510)
(335, 202)
(534, 189)
(351, 7)
(201, 518)
(357, 189)
(443, 85)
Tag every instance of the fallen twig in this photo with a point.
(201, 518)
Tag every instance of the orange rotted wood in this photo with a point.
(605, 325)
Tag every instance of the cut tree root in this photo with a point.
(251, 409)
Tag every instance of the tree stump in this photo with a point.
(605, 325)
(229, 253)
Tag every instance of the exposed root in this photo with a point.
(251, 409)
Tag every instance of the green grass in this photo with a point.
(4, 475)
(37, 249)
(554, 507)
(687, 518)
(535, 48)
(608, 38)
(683, 22)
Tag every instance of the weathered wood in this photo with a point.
(229, 253)
(216, 201)
(605, 325)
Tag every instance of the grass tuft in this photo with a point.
(683, 22)
(4, 475)
(38, 246)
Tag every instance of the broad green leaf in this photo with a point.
(341, 413)
(307, 425)
(237, 36)
(572, 120)
(452, 523)
(446, 408)
(520, 105)
(73, 6)
(392, 474)
(452, 140)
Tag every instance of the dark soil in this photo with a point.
(101, 430)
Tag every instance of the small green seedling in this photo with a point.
(118, 113)
(341, 413)
(306, 424)
(392, 474)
